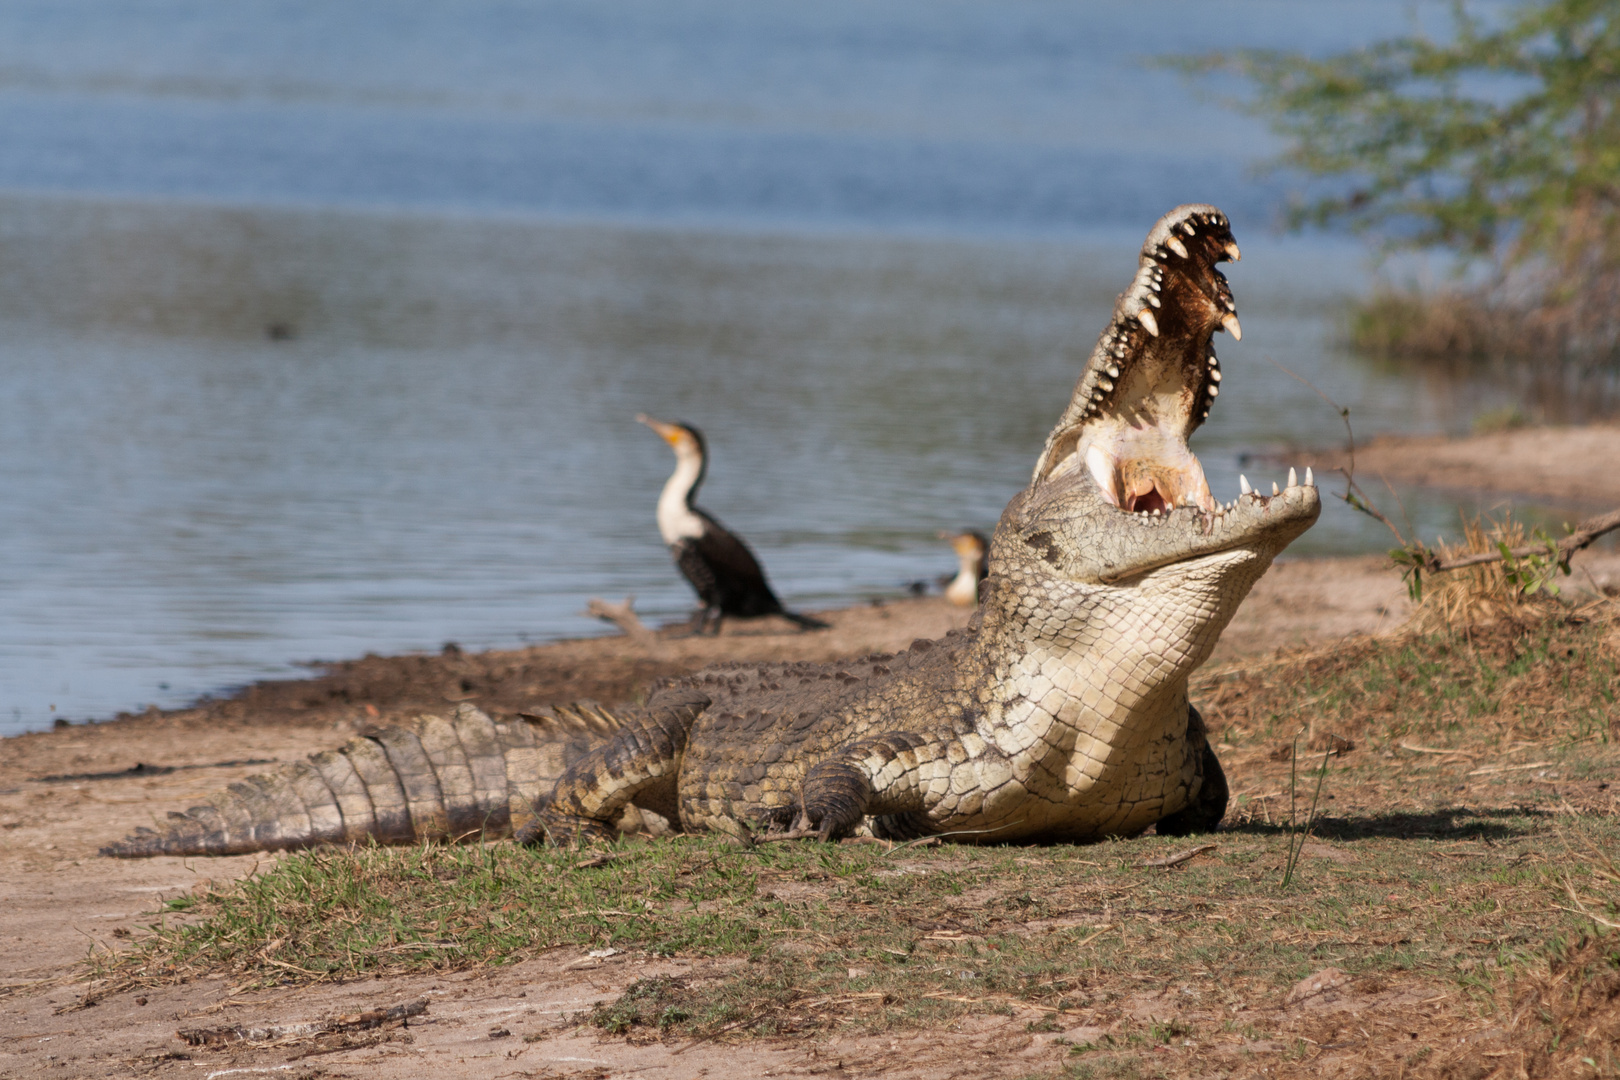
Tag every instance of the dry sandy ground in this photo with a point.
(59, 900)
(1576, 465)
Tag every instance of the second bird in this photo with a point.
(727, 577)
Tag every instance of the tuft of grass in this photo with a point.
(1464, 328)
(1297, 849)
(1445, 325)
(1496, 421)
(1512, 588)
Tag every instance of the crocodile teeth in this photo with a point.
(1232, 250)
(1154, 300)
(1113, 371)
(1232, 325)
(1310, 481)
(1149, 323)
(1214, 391)
(1174, 244)
(1293, 478)
(1274, 490)
(1215, 375)
(1243, 484)
(1189, 228)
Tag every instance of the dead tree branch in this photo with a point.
(1586, 532)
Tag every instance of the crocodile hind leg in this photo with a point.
(638, 765)
(1208, 803)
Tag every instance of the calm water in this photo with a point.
(325, 324)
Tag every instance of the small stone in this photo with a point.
(1322, 982)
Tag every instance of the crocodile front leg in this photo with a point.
(881, 775)
(911, 784)
(638, 765)
(1208, 804)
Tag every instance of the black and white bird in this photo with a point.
(973, 555)
(727, 577)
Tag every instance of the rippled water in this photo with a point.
(325, 325)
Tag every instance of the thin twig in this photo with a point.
(1414, 748)
(936, 837)
(1179, 858)
(1310, 819)
(931, 838)
(1580, 908)
(1352, 491)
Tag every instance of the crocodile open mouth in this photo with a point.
(1142, 468)
(1154, 375)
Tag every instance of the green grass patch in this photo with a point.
(1556, 678)
(830, 931)
(1449, 868)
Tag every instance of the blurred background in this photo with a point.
(325, 323)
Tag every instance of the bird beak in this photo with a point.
(670, 432)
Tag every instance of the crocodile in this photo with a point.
(1060, 713)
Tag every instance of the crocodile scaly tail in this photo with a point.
(432, 778)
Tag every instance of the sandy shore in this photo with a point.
(61, 900)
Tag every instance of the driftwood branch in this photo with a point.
(371, 1018)
(621, 615)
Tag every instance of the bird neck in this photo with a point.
(964, 588)
(677, 520)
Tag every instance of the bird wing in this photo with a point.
(741, 581)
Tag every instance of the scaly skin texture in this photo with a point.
(1061, 713)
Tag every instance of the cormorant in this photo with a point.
(973, 551)
(727, 577)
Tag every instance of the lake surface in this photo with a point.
(325, 324)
